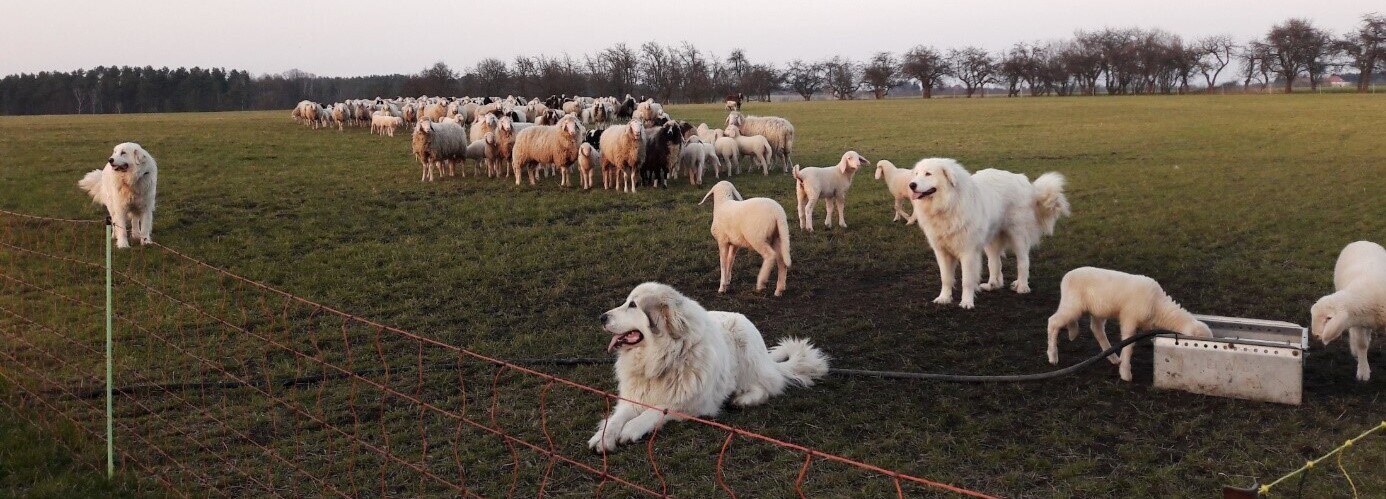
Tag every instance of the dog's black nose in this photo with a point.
(110, 160)
(913, 185)
(605, 318)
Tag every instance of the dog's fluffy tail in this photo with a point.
(1050, 203)
(91, 182)
(799, 361)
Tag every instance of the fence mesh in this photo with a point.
(230, 387)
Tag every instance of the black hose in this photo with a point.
(1002, 378)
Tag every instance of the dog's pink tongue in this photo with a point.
(615, 340)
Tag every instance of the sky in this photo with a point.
(360, 37)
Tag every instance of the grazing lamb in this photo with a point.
(1358, 305)
(756, 147)
(589, 160)
(897, 182)
(486, 150)
(623, 150)
(778, 131)
(757, 223)
(1136, 301)
(541, 144)
(435, 144)
(828, 183)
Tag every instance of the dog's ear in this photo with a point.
(949, 174)
(140, 155)
(663, 312)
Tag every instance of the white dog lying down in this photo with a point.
(673, 354)
(991, 210)
(1358, 306)
(126, 187)
(1136, 301)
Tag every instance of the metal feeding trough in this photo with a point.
(1246, 358)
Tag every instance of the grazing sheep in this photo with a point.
(1358, 304)
(757, 147)
(897, 181)
(437, 143)
(694, 157)
(623, 150)
(485, 151)
(827, 183)
(549, 117)
(662, 146)
(1137, 301)
(589, 160)
(778, 131)
(541, 144)
(756, 223)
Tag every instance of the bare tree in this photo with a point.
(1214, 54)
(972, 66)
(622, 63)
(804, 78)
(658, 70)
(1297, 46)
(1015, 68)
(761, 80)
(1082, 58)
(881, 74)
(840, 77)
(925, 65)
(1365, 48)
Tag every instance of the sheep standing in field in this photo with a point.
(829, 184)
(756, 147)
(897, 182)
(694, 157)
(1358, 305)
(757, 223)
(437, 143)
(505, 138)
(734, 101)
(778, 131)
(541, 144)
(623, 150)
(589, 161)
(340, 115)
(435, 112)
(662, 146)
(709, 135)
(1137, 301)
(485, 151)
(728, 153)
(482, 126)
(384, 124)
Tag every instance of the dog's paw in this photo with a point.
(990, 286)
(122, 244)
(1021, 287)
(943, 299)
(146, 241)
(603, 442)
(967, 304)
(1126, 374)
(1364, 374)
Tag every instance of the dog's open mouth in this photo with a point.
(628, 338)
(922, 195)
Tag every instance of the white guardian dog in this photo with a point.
(991, 211)
(673, 354)
(126, 187)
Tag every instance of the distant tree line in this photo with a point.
(1107, 61)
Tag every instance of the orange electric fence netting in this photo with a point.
(227, 386)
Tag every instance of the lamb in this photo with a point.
(778, 131)
(486, 150)
(897, 181)
(709, 135)
(757, 147)
(589, 160)
(756, 223)
(541, 144)
(1136, 301)
(694, 158)
(828, 183)
(1358, 304)
(385, 124)
(734, 101)
(728, 153)
(437, 143)
(623, 150)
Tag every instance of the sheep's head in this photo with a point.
(489, 139)
(850, 162)
(569, 127)
(881, 167)
(1328, 318)
(734, 119)
(635, 129)
(723, 190)
(733, 131)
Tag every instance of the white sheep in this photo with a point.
(622, 149)
(756, 223)
(485, 151)
(709, 135)
(589, 160)
(435, 112)
(728, 153)
(1137, 301)
(829, 183)
(436, 144)
(482, 126)
(385, 124)
(757, 147)
(694, 157)
(1358, 304)
(778, 131)
(546, 145)
(897, 182)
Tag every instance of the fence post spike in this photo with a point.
(110, 382)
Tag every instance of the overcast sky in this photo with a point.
(358, 37)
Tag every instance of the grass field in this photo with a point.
(1238, 205)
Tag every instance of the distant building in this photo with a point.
(1337, 81)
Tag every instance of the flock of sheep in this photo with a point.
(631, 142)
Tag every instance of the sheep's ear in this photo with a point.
(664, 316)
(708, 195)
(736, 194)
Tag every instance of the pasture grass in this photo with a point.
(1238, 205)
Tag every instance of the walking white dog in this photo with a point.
(992, 211)
(126, 187)
(1359, 303)
(673, 354)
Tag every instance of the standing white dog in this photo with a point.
(126, 187)
(673, 354)
(992, 211)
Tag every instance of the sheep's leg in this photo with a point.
(1022, 267)
(1098, 325)
(764, 164)
(971, 276)
(1360, 338)
(842, 210)
(1128, 329)
(1065, 316)
(947, 265)
(767, 263)
(829, 204)
(806, 216)
(898, 211)
(516, 167)
(995, 280)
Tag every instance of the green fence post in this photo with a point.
(110, 433)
